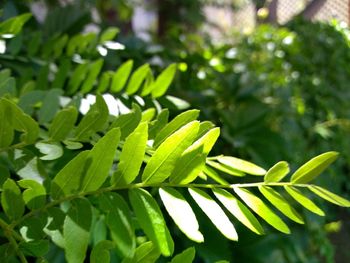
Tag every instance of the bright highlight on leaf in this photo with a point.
(329, 196)
(216, 215)
(181, 212)
(277, 172)
(241, 165)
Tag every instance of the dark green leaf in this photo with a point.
(76, 230)
(35, 194)
(314, 167)
(118, 220)
(62, 73)
(151, 220)
(11, 200)
(50, 105)
(100, 252)
(159, 123)
(145, 253)
(94, 71)
(37, 248)
(108, 34)
(63, 123)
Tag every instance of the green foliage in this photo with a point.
(86, 184)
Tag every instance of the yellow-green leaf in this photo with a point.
(121, 76)
(277, 172)
(163, 81)
(329, 196)
(241, 165)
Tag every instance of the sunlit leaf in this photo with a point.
(151, 220)
(132, 156)
(260, 208)
(238, 210)
(145, 253)
(136, 79)
(181, 212)
(225, 168)
(329, 196)
(179, 121)
(163, 161)
(303, 200)
(121, 76)
(216, 215)
(163, 81)
(277, 172)
(314, 167)
(51, 151)
(278, 201)
(241, 165)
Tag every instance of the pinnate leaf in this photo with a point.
(238, 210)
(303, 200)
(181, 212)
(121, 76)
(100, 252)
(151, 220)
(214, 212)
(314, 167)
(186, 256)
(277, 172)
(329, 196)
(163, 81)
(163, 161)
(260, 208)
(241, 165)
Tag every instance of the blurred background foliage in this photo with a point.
(278, 92)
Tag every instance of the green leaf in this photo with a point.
(145, 253)
(136, 79)
(50, 105)
(14, 25)
(8, 87)
(163, 81)
(64, 183)
(11, 200)
(163, 161)
(216, 215)
(101, 159)
(214, 175)
(6, 129)
(21, 122)
(128, 122)
(278, 201)
(30, 99)
(148, 114)
(94, 120)
(51, 151)
(225, 168)
(314, 167)
(277, 172)
(181, 212)
(35, 248)
(108, 34)
(121, 76)
(151, 220)
(118, 220)
(241, 165)
(100, 252)
(78, 76)
(4, 174)
(64, 69)
(329, 196)
(132, 156)
(76, 230)
(35, 194)
(260, 208)
(303, 200)
(179, 121)
(104, 82)
(159, 123)
(186, 256)
(63, 123)
(94, 71)
(238, 210)
(193, 158)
